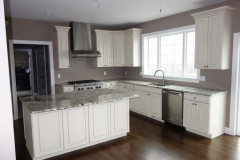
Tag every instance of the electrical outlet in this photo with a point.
(126, 72)
(202, 78)
(104, 73)
(59, 75)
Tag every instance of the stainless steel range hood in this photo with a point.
(81, 42)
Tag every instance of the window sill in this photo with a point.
(192, 80)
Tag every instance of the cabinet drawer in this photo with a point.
(68, 89)
(196, 97)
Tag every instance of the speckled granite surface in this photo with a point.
(201, 91)
(73, 99)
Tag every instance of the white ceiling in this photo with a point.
(109, 12)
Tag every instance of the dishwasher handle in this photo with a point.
(172, 92)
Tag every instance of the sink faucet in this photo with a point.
(163, 80)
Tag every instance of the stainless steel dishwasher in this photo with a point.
(172, 106)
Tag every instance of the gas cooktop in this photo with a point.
(83, 81)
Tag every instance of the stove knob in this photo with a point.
(96, 86)
(100, 87)
(78, 88)
(88, 87)
(82, 88)
(91, 87)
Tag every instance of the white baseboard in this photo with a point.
(228, 131)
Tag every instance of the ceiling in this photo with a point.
(101, 12)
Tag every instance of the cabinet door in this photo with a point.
(156, 106)
(100, 48)
(108, 50)
(118, 50)
(128, 49)
(47, 133)
(119, 117)
(201, 43)
(134, 104)
(189, 114)
(99, 121)
(145, 103)
(202, 119)
(75, 127)
(214, 42)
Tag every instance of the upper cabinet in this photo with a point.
(213, 38)
(63, 46)
(132, 49)
(119, 48)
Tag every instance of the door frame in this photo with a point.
(235, 87)
(12, 69)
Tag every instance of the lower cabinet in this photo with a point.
(145, 103)
(99, 121)
(75, 127)
(205, 115)
(156, 106)
(46, 133)
(119, 117)
(56, 132)
(189, 114)
(195, 116)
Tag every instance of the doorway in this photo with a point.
(32, 71)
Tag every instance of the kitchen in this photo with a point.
(135, 81)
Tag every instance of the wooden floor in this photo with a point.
(148, 140)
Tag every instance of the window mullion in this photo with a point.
(159, 52)
(184, 53)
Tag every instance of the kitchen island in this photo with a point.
(57, 124)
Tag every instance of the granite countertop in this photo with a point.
(201, 91)
(46, 103)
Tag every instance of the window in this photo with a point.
(171, 51)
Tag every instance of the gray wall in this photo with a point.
(80, 68)
(215, 79)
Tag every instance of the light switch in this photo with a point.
(59, 75)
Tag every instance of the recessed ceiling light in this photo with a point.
(49, 14)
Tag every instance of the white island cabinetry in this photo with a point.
(52, 133)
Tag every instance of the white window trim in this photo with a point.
(168, 32)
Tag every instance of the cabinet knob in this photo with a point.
(195, 104)
(194, 97)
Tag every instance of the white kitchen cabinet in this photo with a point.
(119, 117)
(105, 46)
(118, 49)
(63, 46)
(99, 121)
(145, 103)
(205, 115)
(75, 127)
(189, 114)
(132, 47)
(202, 119)
(156, 106)
(47, 133)
(213, 38)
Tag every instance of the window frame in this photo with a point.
(173, 31)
